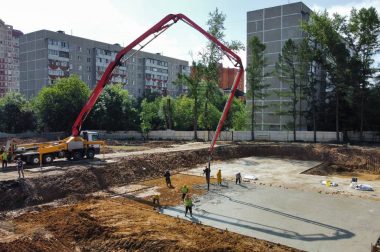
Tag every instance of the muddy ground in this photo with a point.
(99, 224)
(108, 221)
(89, 178)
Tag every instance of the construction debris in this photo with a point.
(328, 183)
(361, 187)
(248, 178)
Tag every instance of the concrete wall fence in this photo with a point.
(307, 136)
(283, 136)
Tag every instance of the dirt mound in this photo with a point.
(123, 224)
(351, 157)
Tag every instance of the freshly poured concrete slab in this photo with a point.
(263, 167)
(285, 173)
(304, 220)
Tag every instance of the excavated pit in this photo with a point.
(83, 179)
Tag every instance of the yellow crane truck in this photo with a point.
(85, 145)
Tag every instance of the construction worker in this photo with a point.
(20, 168)
(238, 178)
(219, 177)
(156, 201)
(4, 157)
(167, 179)
(188, 205)
(207, 172)
(184, 191)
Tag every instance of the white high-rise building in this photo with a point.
(9, 59)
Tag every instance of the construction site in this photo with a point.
(82, 193)
(105, 204)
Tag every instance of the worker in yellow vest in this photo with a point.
(188, 205)
(4, 157)
(156, 201)
(184, 191)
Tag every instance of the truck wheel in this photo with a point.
(47, 159)
(90, 154)
(77, 155)
(35, 160)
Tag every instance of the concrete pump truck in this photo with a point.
(84, 143)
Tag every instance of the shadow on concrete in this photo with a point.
(275, 231)
(338, 234)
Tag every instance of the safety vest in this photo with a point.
(5, 155)
(219, 175)
(188, 202)
(185, 189)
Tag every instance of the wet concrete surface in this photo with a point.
(287, 173)
(304, 220)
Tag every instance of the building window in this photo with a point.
(79, 57)
(80, 67)
(79, 49)
(63, 54)
(52, 52)
(89, 60)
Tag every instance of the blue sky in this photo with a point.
(122, 21)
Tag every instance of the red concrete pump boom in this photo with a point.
(160, 27)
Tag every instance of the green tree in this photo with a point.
(149, 116)
(194, 84)
(211, 59)
(59, 105)
(212, 119)
(304, 67)
(286, 71)
(166, 111)
(237, 117)
(255, 78)
(362, 33)
(17, 114)
(114, 110)
(184, 113)
(334, 58)
(373, 104)
(308, 57)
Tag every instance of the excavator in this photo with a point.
(84, 143)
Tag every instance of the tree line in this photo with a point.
(56, 108)
(330, 75)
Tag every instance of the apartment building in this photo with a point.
(227, 78)
(48, 55)
(273, 26)
(9, 59)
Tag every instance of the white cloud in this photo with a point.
(346, 8)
